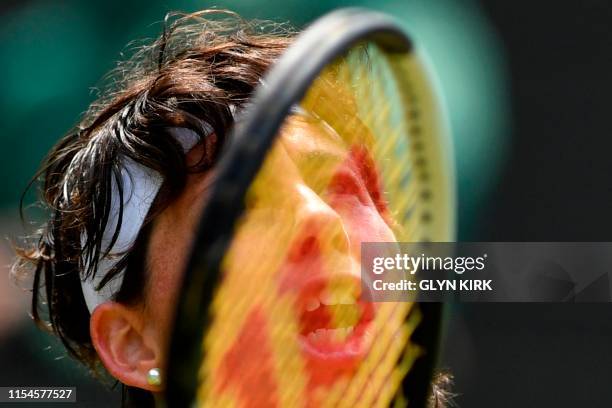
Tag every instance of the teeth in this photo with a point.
(346, 299)
(340, 334)
(329, 298)
(312, 304)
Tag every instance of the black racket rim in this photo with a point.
(325, 40)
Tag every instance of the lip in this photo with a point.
(336, 334)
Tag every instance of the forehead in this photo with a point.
(308, 138)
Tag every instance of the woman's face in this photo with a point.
(292, 275)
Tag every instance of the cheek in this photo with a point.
(168, 250)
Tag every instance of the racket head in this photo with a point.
(335, 82)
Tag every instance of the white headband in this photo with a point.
(140, 187)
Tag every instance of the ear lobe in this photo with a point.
(127, 349)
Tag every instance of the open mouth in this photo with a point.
(335, 322)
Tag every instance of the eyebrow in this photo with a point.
(313, 149)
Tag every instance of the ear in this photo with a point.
(127, 348)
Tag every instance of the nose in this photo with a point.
(318, 225)
(319, 244)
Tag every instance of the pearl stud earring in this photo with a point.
(154, 377)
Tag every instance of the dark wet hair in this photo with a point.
(203, 66)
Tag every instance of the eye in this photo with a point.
(346, 182)
(366, 167)
(373, 185)
(358, 177)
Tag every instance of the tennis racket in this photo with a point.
(345, 143)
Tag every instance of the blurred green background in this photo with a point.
(54, 53)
